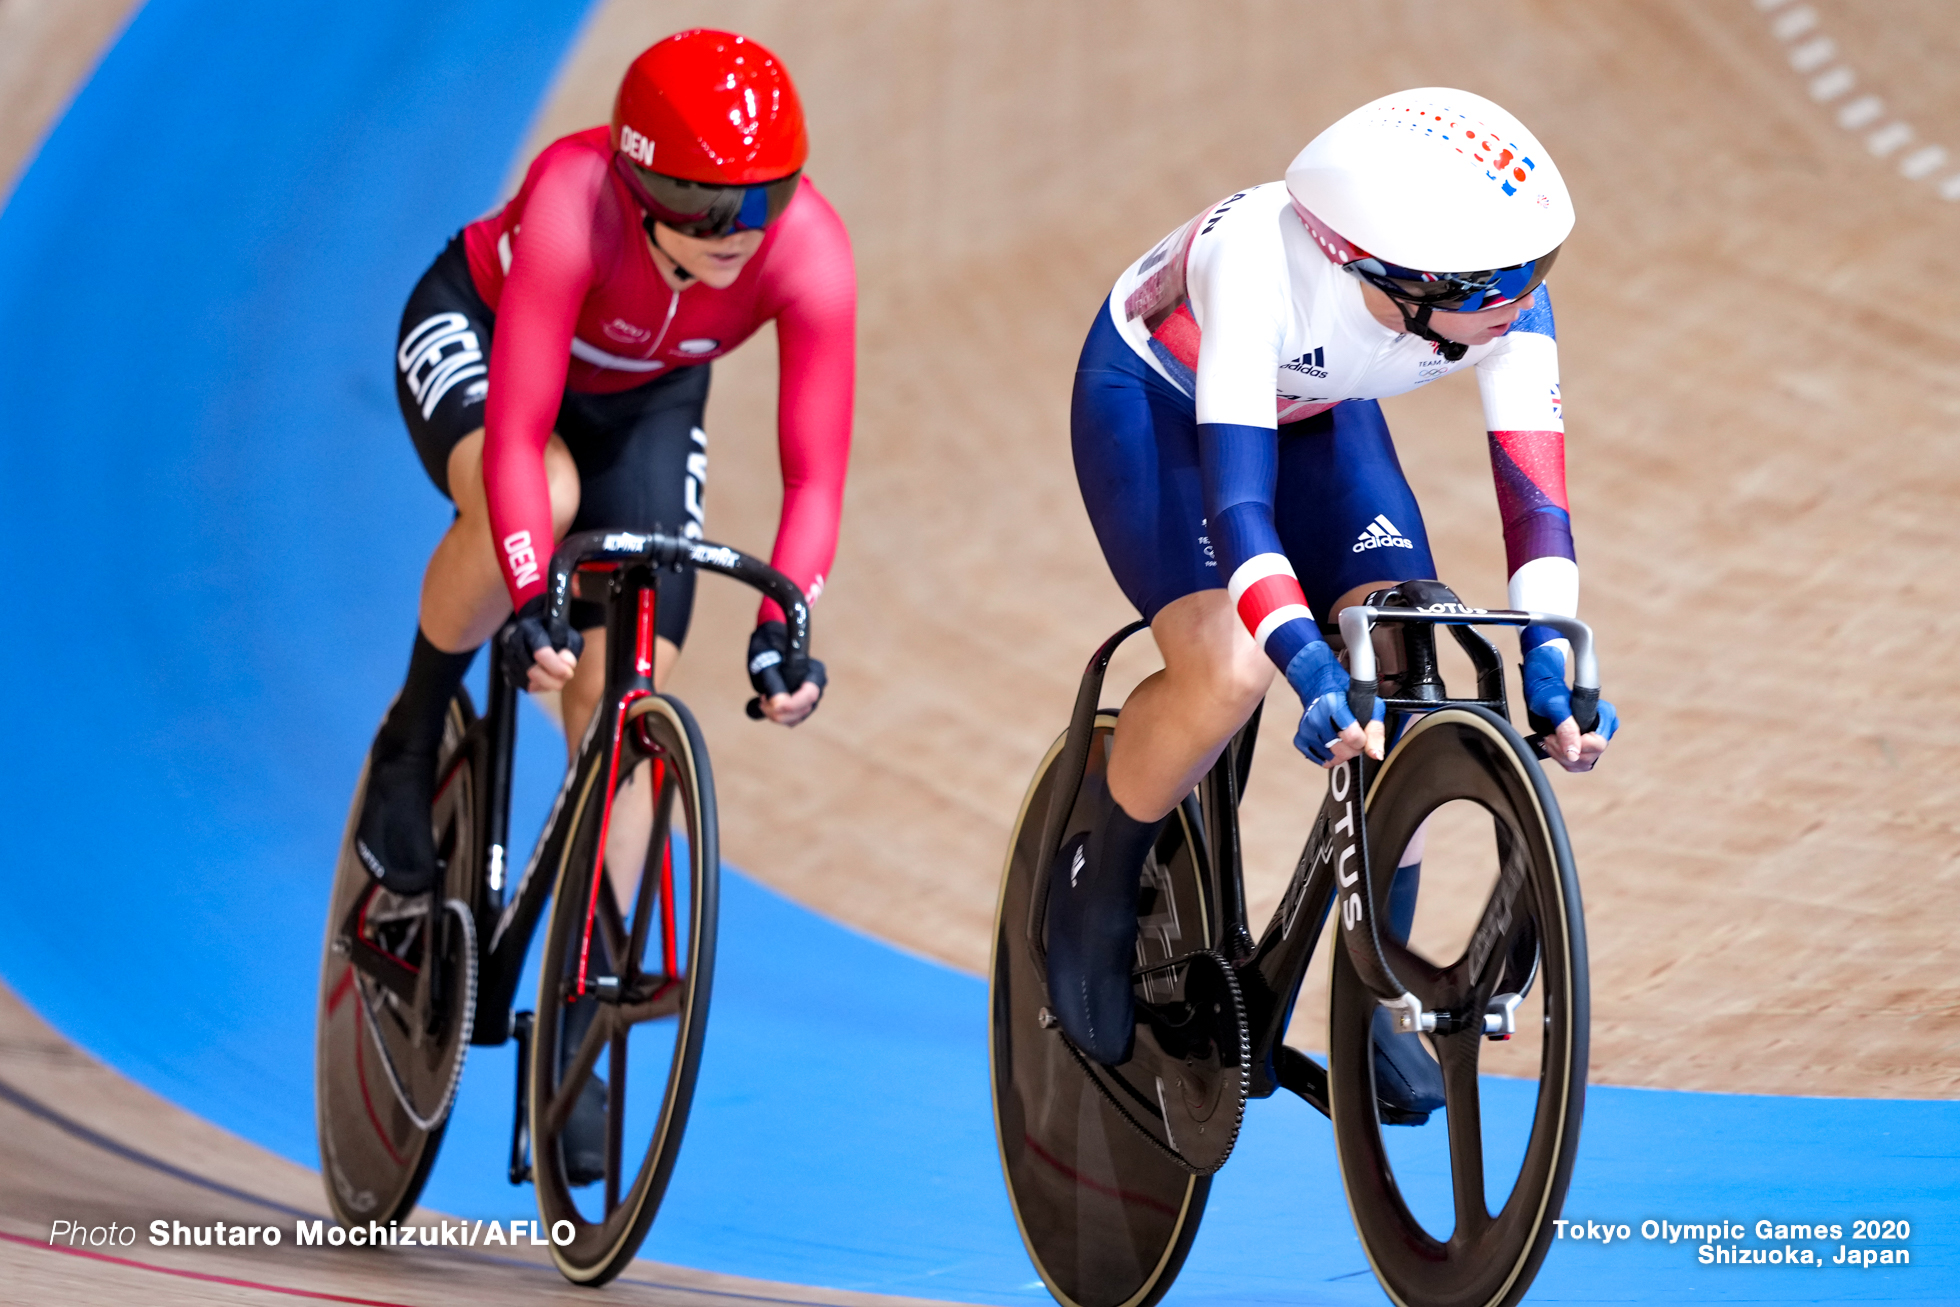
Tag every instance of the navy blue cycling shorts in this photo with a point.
(1344, 511)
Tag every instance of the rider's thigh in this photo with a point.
(472, 504)
(1135, 444)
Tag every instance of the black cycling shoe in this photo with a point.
(583, 1144)
(394, 838)
(1092, 927)
(1408, 1083)
(584, 1141)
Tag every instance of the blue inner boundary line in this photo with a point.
(206, 481)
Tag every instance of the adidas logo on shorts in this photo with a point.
(1381, 534)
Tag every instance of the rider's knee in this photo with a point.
(1210, 656)
(466, 477)
(1246, 678)
(1235, 680)
(466, 489)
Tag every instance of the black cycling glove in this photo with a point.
(768, 648)
(530, 633)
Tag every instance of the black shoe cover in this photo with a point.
(584, 1141)
(583, 1144)
(1407, 1080)
(394, 838)
(1092, 927)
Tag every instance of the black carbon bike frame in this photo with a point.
(1334, 865)
(506, 915)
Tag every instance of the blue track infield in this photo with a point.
(199, 282)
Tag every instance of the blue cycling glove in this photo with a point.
(1322, 684)
(1548, 700)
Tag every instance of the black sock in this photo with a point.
(1125, 844)
(414, 724)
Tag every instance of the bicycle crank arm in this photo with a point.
(520, 1125)
(1301, 1075)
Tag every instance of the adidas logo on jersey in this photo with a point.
(1381, 534)
(1313, 363)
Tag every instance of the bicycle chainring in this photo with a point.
(1185, 1085)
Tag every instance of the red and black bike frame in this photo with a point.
(631, 564)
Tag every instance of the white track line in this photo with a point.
(1815, 55)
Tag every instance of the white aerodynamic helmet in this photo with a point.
(1439, 198)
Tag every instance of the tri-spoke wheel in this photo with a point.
(1460, 1211)
(1106, 1202)
(623, 988)
(397, 999)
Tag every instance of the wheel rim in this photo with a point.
(1519, 927)
(623, 995)
(1106, 1216)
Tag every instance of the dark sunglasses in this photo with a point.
(703, 210)
(1454, 292)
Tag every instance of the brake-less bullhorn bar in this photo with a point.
(1358, 621)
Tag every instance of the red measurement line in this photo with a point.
(198, 1275)
(1120, 1195)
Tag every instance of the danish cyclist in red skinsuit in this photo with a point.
(552, 367)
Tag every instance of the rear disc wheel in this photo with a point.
(1106, 1210)
(397, 1001)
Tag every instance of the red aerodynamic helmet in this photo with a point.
(708, 132)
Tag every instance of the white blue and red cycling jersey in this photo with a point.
(1226, 432)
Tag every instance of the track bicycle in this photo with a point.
(629, 863)
(1108, 1168)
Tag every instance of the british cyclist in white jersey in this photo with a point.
(1244, 488)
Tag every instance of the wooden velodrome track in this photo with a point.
(1761, 344)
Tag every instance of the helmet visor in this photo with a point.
(1455, 292)
(703, 210)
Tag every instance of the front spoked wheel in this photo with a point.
(1460, 1211)
(1106, 1208)
(623, 989)
(397, 999)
